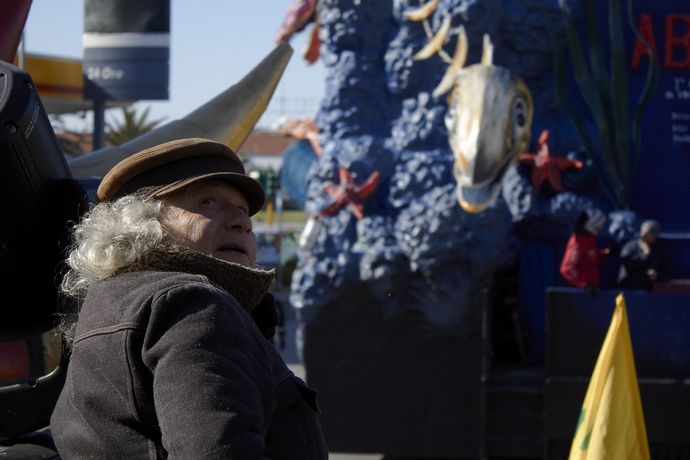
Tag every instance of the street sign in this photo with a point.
(126, 49)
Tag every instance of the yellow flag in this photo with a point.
(611, 423)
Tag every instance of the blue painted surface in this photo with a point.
(658, 322)
(664, 157)
(538, 270)
(416, 249)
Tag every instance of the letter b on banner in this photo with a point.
(126, 49)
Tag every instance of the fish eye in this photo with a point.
(519, 115)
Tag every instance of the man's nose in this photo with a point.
(238, 220)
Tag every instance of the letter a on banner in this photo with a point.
(611, 424)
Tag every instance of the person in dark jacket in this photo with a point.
(641, 262)
(171, 355)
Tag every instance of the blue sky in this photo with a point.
(214, 43)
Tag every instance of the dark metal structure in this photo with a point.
(40, 198)
(385, 386)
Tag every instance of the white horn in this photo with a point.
(456, 64)
(228, 118)
(436, 42)
(487, 51)
(422, 12)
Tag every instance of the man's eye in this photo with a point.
(209, 201)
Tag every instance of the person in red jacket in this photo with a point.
(580, 264)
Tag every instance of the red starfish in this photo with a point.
(547, 168)
(348, 194)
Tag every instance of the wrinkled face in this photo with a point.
(489, 123)
(211, 217)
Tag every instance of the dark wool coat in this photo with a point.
(635, 263)
(168, 365)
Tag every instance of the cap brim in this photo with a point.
(250, 188)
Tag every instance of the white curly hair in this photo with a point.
(112, 235)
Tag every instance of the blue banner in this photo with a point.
(126, 49)
(660, 187)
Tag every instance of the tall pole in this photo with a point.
(21, 53)
(98, 122)
(279, 210)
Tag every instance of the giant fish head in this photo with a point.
(489, 122)
(489, 115)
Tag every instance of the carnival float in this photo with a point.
(460, 142)
(456, 145)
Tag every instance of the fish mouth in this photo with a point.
(476, 198)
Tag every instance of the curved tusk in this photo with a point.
(436, 41)
(422, 12)
(456, 64)
(487, 51)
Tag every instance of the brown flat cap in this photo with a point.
(175, 164)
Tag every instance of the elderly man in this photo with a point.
(171, 355)
(641, 262)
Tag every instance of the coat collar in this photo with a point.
(247, 285)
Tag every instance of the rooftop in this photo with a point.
(265, 143)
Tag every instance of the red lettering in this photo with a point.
(639, 49)
(680, 43)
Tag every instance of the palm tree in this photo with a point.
(131, 126)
